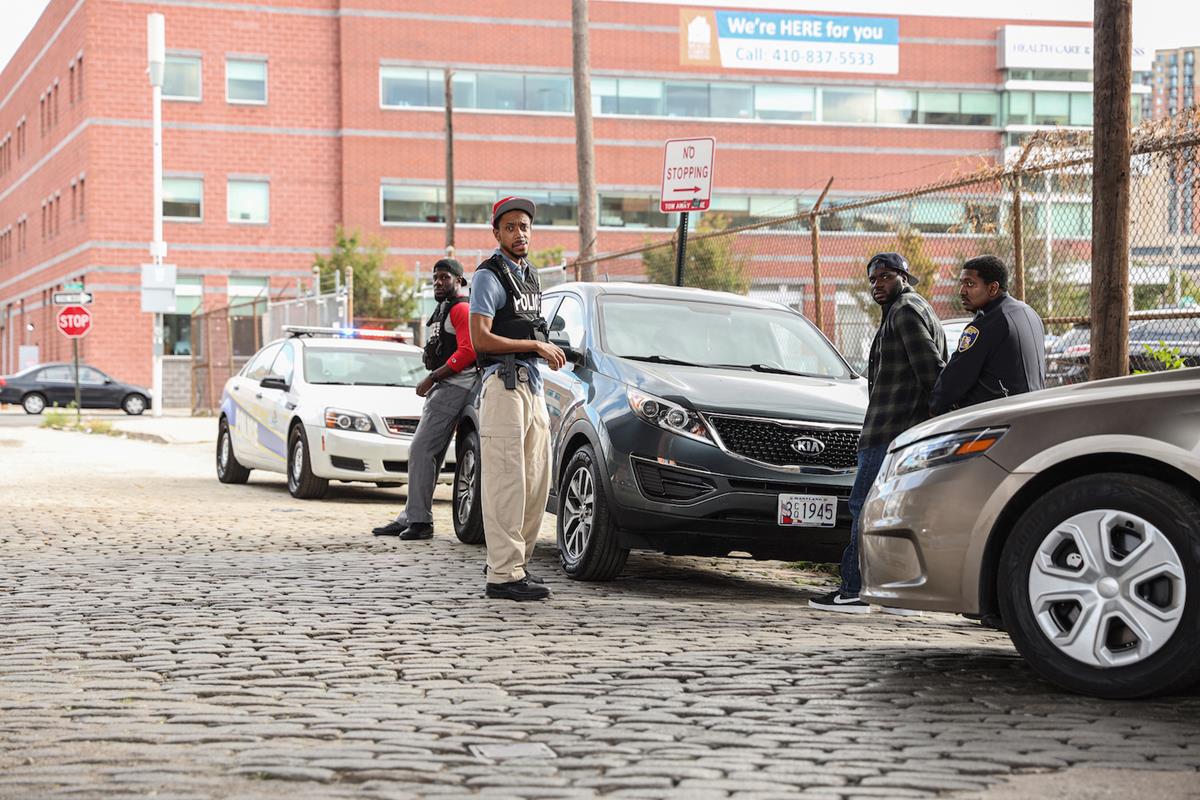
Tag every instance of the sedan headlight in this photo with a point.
(341, 420)
(941, 450)
(669, 416)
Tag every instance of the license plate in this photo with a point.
(807, 510)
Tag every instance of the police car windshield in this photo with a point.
(721, 335)
(364, 367)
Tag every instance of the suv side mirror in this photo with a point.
(272, 382)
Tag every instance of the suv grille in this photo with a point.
(402, 425)
(775, 443)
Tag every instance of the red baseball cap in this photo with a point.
(506, 204)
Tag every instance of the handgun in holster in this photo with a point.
(509, 370)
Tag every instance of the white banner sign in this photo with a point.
(796, 42)
(1053, 47)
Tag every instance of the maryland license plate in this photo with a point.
(807, 510)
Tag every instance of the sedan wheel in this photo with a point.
(33, 403)
(1094, 586)
(302, 483)
(134, 404)
(229, 469)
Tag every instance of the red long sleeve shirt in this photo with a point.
(460, 320)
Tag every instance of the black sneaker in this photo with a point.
(418, 530)
(517, 590)
(836, 601)
(529, 576)
(391, 529)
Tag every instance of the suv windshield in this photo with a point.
(362, 367)
(716, 334)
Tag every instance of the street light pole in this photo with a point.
(156, 45)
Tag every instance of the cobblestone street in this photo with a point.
(163, 635)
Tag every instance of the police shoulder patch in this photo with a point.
(969, 336)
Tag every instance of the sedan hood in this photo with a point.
(1129, 390)
(755, 394)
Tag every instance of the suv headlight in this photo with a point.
(669, 416)
(341, 420)
(944, 449)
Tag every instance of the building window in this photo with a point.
(249, 201)
(848, 105)
(938, 108)
(784, 102)
(183, 199)
(686, 99)
(1081, 109)
(177, 327)
(246, 81)
(247, 303)
(82, 196)
(499, 90)
(21, 139)
(400, 87)
(549, 93)
(1051, 108)
(896, 106)
(413, 204)
(639, 97)
(181, 78)
(79, 78)
(54, 104)
(731, 101)
(71, 82)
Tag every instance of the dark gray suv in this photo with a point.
(688, 422)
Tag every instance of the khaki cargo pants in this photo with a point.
(514, 438)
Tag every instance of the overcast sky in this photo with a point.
(1157, 24)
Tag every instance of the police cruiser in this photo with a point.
(323, 404)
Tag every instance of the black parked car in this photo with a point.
(688, 422)
(54, 385)
(1070, 360)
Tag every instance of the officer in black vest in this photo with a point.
(1001, 353)
(449, 358)
(510, 335)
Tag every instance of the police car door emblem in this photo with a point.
(807, 445)
(969, 336)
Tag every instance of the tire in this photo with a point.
(468, 505)
(134, 404)
(300, 479)
(588, 544)
(229, 469)
(1088, 558)
(34, 403)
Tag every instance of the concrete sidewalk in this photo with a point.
(175, 426)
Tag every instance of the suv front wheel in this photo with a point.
(1100, 586)
(588, 544)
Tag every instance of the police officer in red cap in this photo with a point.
(907, 355)
(510, 336)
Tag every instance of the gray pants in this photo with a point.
(443, 406)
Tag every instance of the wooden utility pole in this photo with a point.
(1112, 67)
(585, 154)
(451, 210)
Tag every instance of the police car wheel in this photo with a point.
(229, 469)
(1099, 586)
(301, 482)
(588, 542)
(468, 511)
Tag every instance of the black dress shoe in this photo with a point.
(517, 590)
(391, 529)
(418, 530)
(529, 576)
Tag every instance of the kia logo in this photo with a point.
(808, 446)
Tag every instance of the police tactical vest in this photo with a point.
(440, 344)
(521, 315)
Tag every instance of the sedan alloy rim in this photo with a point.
(578, 509)
(466, 487)
(1107, 588)
(297, 461)
(135, 404)
(35, 404)
(223, 457)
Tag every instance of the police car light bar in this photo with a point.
(343, 333)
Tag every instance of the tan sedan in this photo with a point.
(1070, 517)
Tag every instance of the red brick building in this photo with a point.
(286, 118)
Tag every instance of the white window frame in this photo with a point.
(199, 59)
(266, 79)
(187, 177)
(231, 179)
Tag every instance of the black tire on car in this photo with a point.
(589, 548)
(1100, 586)
(468, 507)
(229, 469)
(300, 479)
(134, 404)
(34, 403)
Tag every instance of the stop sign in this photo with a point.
(74, 322)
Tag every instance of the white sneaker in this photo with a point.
(836, 601)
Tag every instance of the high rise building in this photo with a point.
(1173, 83)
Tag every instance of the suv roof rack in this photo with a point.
(343, 333)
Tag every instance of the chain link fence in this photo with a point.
(1033, 210)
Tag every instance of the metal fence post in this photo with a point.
(1018, 282)
(814, 225)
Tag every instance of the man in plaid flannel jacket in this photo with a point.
(907, 355)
